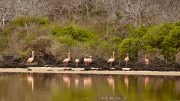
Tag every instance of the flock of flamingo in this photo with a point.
(89, 60)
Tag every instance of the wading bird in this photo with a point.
(77, 62)
(85, 60)
(146, 60)
(31, 59)
(111, 60)
(88, 61)
(67, 60)
(126, 60)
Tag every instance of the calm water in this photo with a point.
(71, 87)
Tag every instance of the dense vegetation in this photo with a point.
(44, 36)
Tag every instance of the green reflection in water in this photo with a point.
(71, 87)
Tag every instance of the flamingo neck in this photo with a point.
(69, 56)
(145, 57)
(113, 55)
(32, 54)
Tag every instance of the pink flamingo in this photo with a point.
(67, 60)
(126, 60)
(88, 61)
(146, 60)
(31, 59)
(77, 62)
(111, 60)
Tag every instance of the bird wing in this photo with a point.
(30, 60)
(111, 60)
(66, 60)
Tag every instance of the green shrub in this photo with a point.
(76, 33)
(128, 45)
(3, 43)
(22, 21)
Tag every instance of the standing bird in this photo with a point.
(31, 59)
(126, 59)
(77, 62)
(67, 60)
(146, 60)
(89, 60)
(85, 60)
(111, 60)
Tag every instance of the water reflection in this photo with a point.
(76, 81)
(73, 87)
(111, 82)
(87, 82)
(30, 80)
(126, 81)
(66, 80)
(146, 80)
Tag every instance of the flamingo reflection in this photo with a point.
(67, 80)
(111, 82)
(126, 81)
(87, 82)
(146, 81)
(30, 80)
(76, 82)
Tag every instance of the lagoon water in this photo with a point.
(76, 87)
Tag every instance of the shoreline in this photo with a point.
(81, 71)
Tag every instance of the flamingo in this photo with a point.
(111, 60)
(67, 60)
(88, 61)
(146, 60)
(126, 59)
(31, 59)
(77, 62)
(85, 60)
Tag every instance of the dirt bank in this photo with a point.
(49, 61)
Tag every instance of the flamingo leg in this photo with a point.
(126, 64)
(110, 65)
(76, 65)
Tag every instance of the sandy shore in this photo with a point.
(81, 71)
